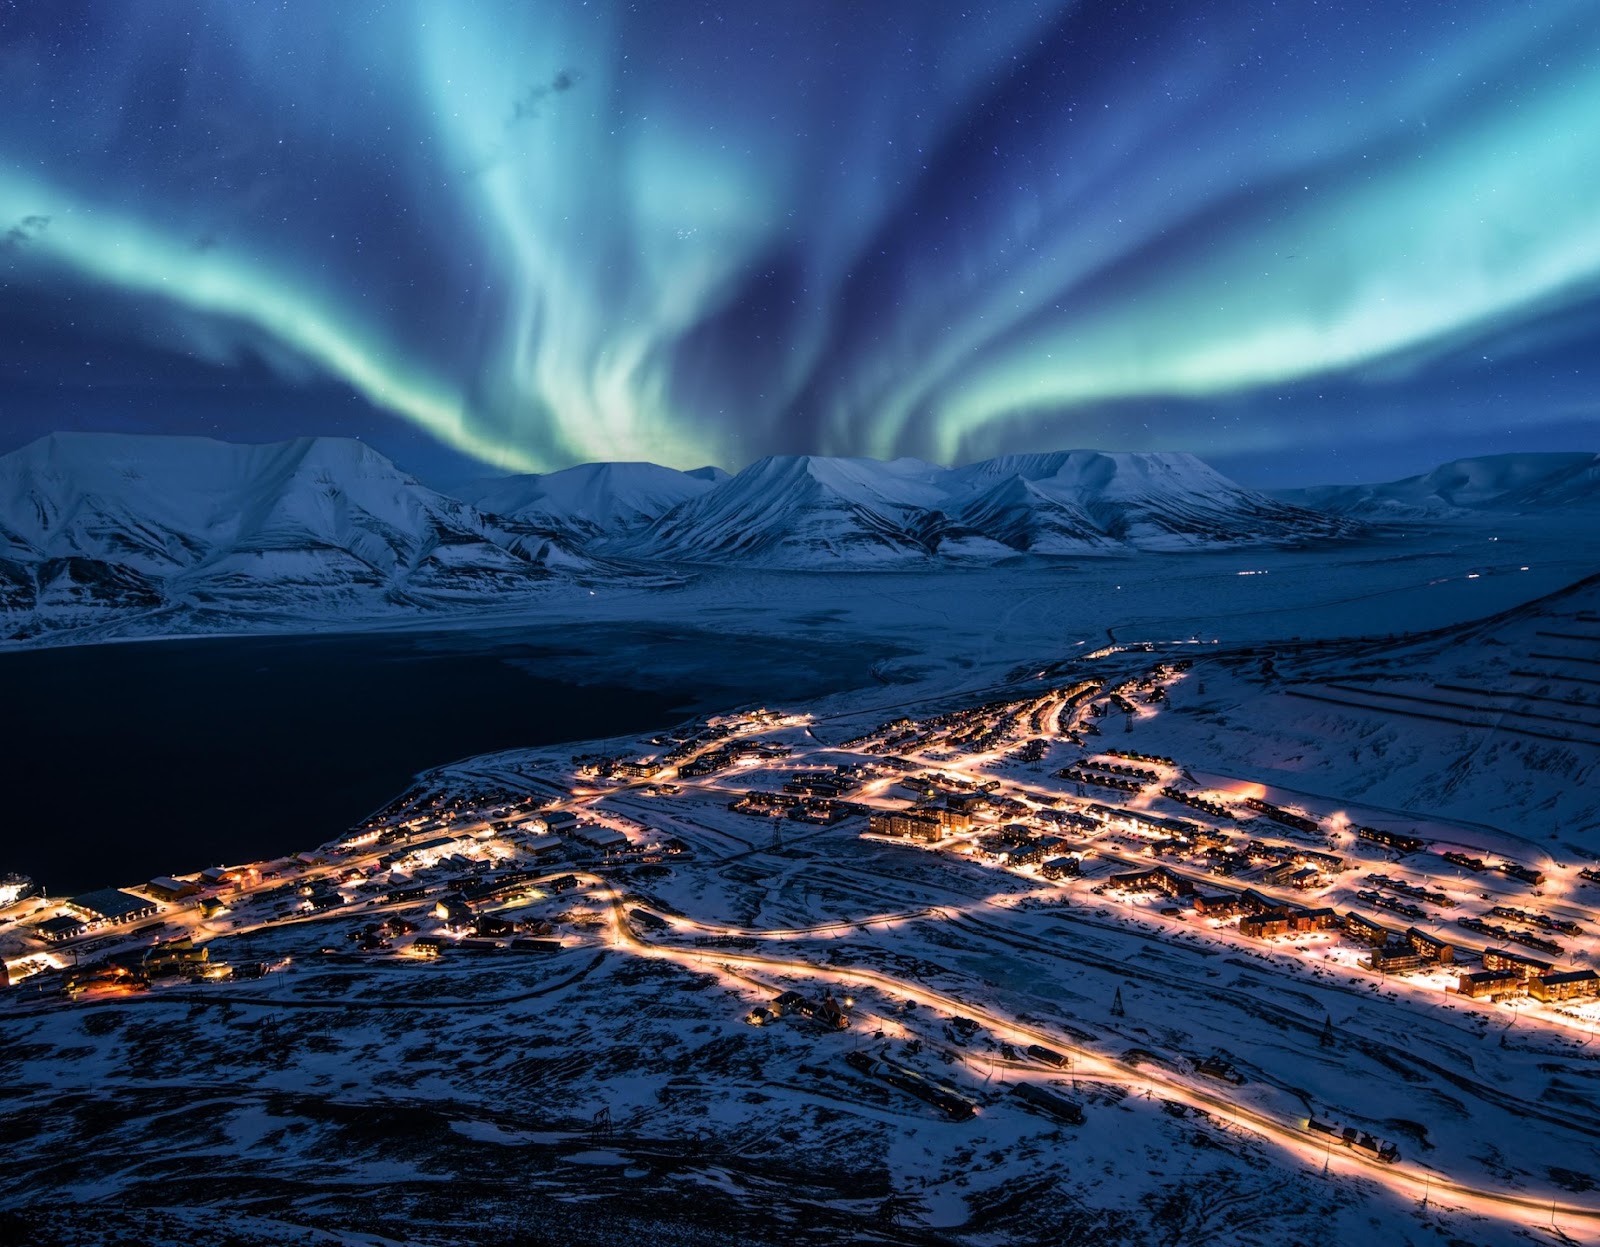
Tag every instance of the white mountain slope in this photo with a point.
(593, 499)
(1018, 514)
(1147, 501)
(188, 534)
(1493, 483)
(91, 523)
(798, 510)
(814, 511)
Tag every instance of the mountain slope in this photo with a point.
(812, 511)
(189, 534)
(1490, 483)
(593, 499)
(91, 523)
(800, 510)
(1018, 514)
(1147, 501)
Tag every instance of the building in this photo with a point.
(1061, 868)
(951, 820)
(1365, 931)
(1224, 906)
(1292, 874)
(1393, 958)
(1285, 920)
(826, 1013)
(906, 825)
(1033, 852)
(1565, 985)
(1260, 926)
(706, 764)
(599, 838)
(60, 928)
(1392, 840)
(107, 906)
(93, 910)
(455, 912)
(167, 888)
(1324, 863)
(527, 944)
(1253, 902)
(1430, 946)
(560, 820)
(179, 956)
(1490, 983)
(1523, 874)
(542, 847)
(1515, 963)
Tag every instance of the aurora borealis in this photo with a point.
(533, 234)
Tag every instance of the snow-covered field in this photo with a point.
(614, 1090)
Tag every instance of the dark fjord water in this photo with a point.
(132, 760)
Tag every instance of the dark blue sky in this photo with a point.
(1306, 241)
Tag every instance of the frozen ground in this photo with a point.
(613, 1091)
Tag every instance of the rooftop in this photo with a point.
(110, 904)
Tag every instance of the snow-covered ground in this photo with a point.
(615, 1089)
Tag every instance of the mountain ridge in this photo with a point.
(95, 525)
(809, 510)
(204, 535)
(1527, 481)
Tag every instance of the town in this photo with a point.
(999, 817)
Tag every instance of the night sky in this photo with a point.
(1307, 241)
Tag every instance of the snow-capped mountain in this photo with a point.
(799, 509)
(1491, 483)
(98, 523)
(1018, 514)
(814, 511)
(187, 534)
(1146, 501)
(591, 500)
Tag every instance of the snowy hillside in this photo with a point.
(813, 511)
(594, 499)
(1148, 501)
(97, 525)
(1493, 483)
(807, 509)
(1495, 723)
